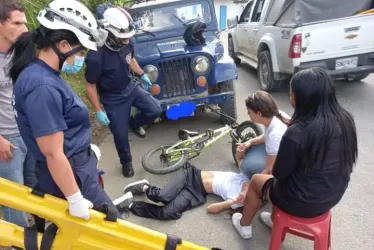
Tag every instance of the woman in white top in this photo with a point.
(258, 154)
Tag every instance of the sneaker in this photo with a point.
(265, 218)
(127, 170)
(136, 187)
(245, 232)
(123, 203)
(139, 132)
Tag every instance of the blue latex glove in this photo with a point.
(102, 118)
(147, 82)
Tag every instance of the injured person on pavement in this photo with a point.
(188, 189)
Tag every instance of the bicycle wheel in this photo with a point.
(245, 131)
(165, 163)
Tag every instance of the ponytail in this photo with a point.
(282, 118)
(23, 52)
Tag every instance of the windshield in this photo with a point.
(161, 18)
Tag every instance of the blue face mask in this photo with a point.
(78, 64)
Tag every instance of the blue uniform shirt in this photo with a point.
(44, 104)
(110, 70)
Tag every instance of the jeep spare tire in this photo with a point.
(228, 107)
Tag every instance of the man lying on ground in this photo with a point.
(188, 189)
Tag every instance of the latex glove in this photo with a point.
(79, 206)
(147, 82)
(102, 118)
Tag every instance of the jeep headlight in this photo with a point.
(152, 72)
(201, 64)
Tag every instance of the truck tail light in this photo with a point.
(295, 48)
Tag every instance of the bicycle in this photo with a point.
(192, 143)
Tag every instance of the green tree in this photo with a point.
(33, 7)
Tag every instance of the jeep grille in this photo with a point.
(178, 78)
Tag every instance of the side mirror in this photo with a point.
(232, 22)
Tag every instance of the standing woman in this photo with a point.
(315, 158)
(53, 120)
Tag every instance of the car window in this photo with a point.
(256, 16)
(244, 18)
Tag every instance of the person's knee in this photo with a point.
(156, 111)
(168, 214)
(256, 183)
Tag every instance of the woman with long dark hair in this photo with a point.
(53, 120)
(315, 158)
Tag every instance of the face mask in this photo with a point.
(114, 43)
(78, 64)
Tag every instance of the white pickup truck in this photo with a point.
(281, 37)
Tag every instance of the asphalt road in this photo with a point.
(352, 224)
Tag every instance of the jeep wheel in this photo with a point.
(231, 51)
(265, 73)
(228, 107)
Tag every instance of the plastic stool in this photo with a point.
(317, 229)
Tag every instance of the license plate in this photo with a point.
(346, 63)
(184, 109)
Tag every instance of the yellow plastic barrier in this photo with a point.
(371, 11)
(75, 233)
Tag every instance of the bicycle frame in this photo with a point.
(223, 131)
(184, 145)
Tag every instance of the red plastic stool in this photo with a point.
(317, 229)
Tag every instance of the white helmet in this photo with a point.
(119, 22)
(74, 16)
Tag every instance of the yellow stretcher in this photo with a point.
(371, 11)
(74, 233)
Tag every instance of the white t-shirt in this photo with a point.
(273, 135)
(228, 185)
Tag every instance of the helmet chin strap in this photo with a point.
(62, 57)
(112, 49)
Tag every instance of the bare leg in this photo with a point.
(252, 201)
(251, 204)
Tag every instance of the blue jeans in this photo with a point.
(13, 171)
(254, 161)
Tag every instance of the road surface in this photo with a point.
(352, 223)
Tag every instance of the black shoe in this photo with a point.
(127, 171)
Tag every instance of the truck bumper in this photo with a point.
(365, 66)
(198, 100)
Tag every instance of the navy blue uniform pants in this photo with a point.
(84, 165)
(118, 109)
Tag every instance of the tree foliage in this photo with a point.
(34, 6)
